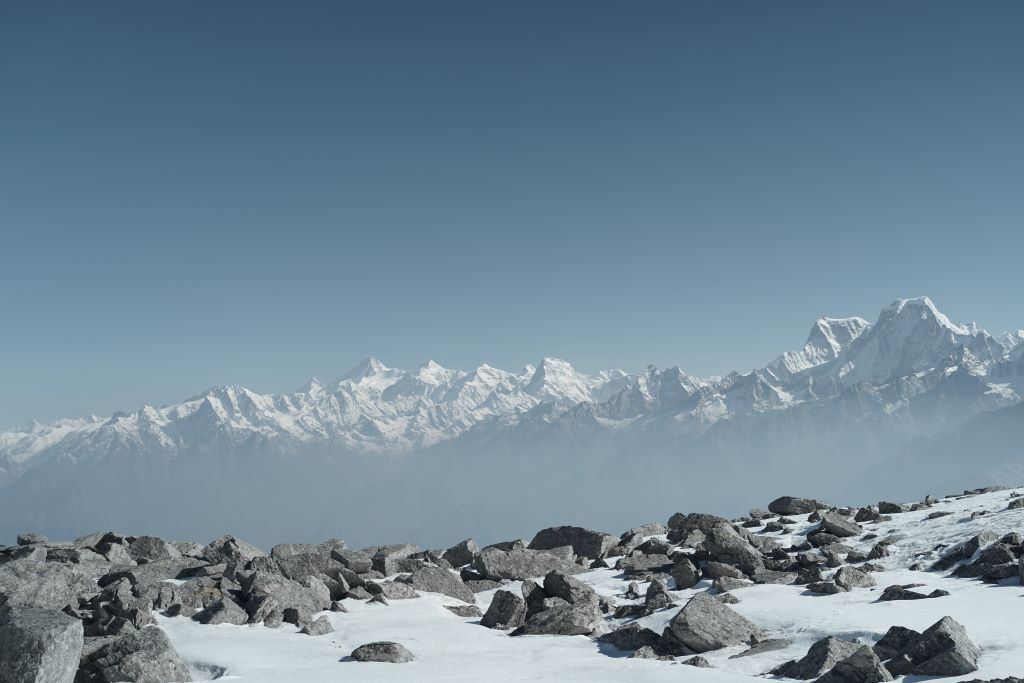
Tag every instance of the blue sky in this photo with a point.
(255, 193)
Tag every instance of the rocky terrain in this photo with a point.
(803, 590)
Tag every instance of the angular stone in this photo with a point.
(896, 640)
(151, 549)
(632, 636)
(863, 666)
(725, 545)
(320, 627)
(685, 574)
(38, 645)
(517, 565)
(437, 580)
(791, 505)
(562, 619)
(835, 524)
(461, 554)
(942, 650)
(705, 624)
(49, 585)
(465, 611)
(584, 542)
(643, 564)
(223, 611)
(146, 656)
(506, 611)
(820, 659)
(849, 578)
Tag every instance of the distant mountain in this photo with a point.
(854, 396)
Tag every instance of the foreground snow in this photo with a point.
(451, 648)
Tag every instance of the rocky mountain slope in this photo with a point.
(801, 591)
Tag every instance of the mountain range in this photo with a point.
(857, 395)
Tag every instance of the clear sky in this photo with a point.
(200, 193)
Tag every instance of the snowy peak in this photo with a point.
(912, 351)
(556, 380)
(827, 339)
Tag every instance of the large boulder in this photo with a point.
(632, 636)
(685, 574)
(223, 611)
(705, 624)
(584, 542)
(506, 611)
(231, 550)
(286, 595)
(835, 524)
(145, 656)
(820, 659)
(461, 554)
(849, 578)
(563, 620)
(863, 666)
(383, 651)
(724, 544)
(152, 548)
(791, 505)
(38, 645)
(942, 650)
(437, 580)
(682, 527)
(517, 565)
(49, 585)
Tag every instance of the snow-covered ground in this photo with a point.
(451, 648)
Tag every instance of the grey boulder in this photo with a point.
(517, 565)
(506, 611)
(437, 580)
(145, 656)
(584, 542)
(38, 645)
(849, 578)
(820, 659)
(791, 505)
(461, 554)
(835, 524)
(383, 651)
(942, 650)
(705, 624)
(863, 666)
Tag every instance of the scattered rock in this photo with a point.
(461, 554)
(790, 505)
(942, 650)
(849, 578)
(584, 542)
(863, 666)
(320, 627)
(144, 656)
(437, 580)
(506, 611)
(383, 651)
(465, 611)
(820, 659)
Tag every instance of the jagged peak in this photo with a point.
(367, 367)
(920, 307)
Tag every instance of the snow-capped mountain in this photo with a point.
(488, 444)
(911, 353)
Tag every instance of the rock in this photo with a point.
(685, 574)
(892, 508)
(386, 558)
(354, 560)
(772, 577)
(151, 549)
(223, 611)
(648, 652)
(835, 524)
(725, 545)
(395, 590)
(38, 645)
(682, 527)
(820, 659)
(231, 550)
(482, 585)
(863, 666)
(824, 588)
(31, 538)
(146, 656)
(1016, 504)
(437, 580)
(657, 596)
(517, 565)
(724, 584)
(561, 619)
(727, 598)
(584, 542)
(572, 590)
(643, 564)
(790, 505)
(849, 578)
(904, 593)
(896, 640)
(43, 584)
(506, 611)
(287, 594)
(320, 627)
(383, 651)
(697, 661)
(942, 650)
(465, 611)
(632, 636)
(461, 554)
(705, 624)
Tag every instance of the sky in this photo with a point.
(255, 193)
